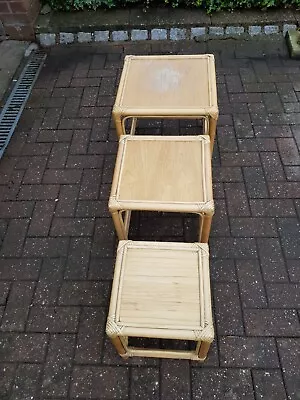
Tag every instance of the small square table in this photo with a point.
(162, 173)
(169, 86)
(161, 290)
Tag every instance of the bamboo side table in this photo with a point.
(162, 173)
(169, 86)
(161, 290)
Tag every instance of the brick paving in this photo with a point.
(58, 241)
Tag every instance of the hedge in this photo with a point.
(208, 5)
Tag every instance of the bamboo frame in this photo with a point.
(146, 312)
(195, 164)
(182, 106)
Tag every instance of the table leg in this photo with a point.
(118, 345)
(118, 124)
(204, 347)
(212, 132)
(119, 225)
(205, 225)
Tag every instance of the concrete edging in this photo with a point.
(54, 29)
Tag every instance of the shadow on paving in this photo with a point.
(58, 241)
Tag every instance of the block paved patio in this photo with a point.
(58, 242)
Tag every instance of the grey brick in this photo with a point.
(216, 30)
(271, 29)
(16, 209)
(119, 36)
(158, 34)
(198, 31)
(139, 34)
(84, 37)
(255, 182)
(101, 36)
(66, 38)
(254, 30)
(234, 30)
(248, 352)
(47, 39)
(177, 33)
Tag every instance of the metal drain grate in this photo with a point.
(15, 103)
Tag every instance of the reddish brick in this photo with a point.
(78, 258)
(272, 262)
(269, 322)
(272, 208)
(17, 307)
(62, 176)
(96, 382)
(84, 293)
(49, 283)
(27, 381)
(269, 384)
(21, 347)
(72, 227)
(67, 201)
(41, 219)
(58, 156)
(251, 284)
(46, 247)
(90, 335)
(251, 227)
(38, 192)
(289, 350)
(145, 383)
(228, 309)
(248, 352)
(283, 295)
(12, 245)
(288, 151)
(53, 319)
(57, 371)
(215, 383)
(237, 201)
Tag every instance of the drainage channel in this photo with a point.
(16, 101)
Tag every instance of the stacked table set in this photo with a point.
(162, 289)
